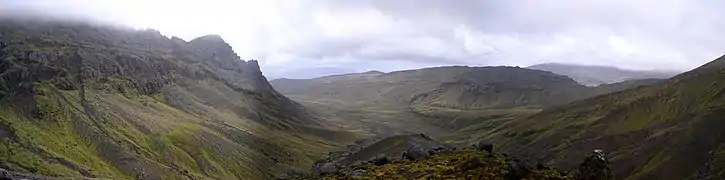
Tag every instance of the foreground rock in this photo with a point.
(9, 175)
(595, 167)
(466, 163)
(416, 161)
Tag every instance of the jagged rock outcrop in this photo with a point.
(484, 145)
(595, 167)
(8, 175)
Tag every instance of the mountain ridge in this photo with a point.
(81, 100)
(425, 86)
(437, 100)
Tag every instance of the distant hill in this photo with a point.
(452, 87)
(671, 129)
(436, 100)
(596, 75)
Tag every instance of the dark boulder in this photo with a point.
(355, 174)
(381, 160)
(442, 148)
(425, 136)
(5, 175)
(326, 168)
(431, 152)
(415, 154)
(484, 145)
(595, 167)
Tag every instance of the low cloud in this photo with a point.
(322, 37)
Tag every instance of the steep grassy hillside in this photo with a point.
(92, 101)
(598, 75)
(668, 130)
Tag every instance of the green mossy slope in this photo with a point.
(90, 101)
(669, 130)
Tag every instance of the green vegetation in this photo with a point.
(450, 87)
(100, 102)
(454, 103)
(652, 131)
(459, 164)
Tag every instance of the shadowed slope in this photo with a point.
(669, 130)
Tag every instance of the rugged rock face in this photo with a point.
(7, 175)
(79, 100)
(595, 167)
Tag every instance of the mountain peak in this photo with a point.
(374, 72)
(215, 50)
(211, 42)
(197, 92)
(210, 37)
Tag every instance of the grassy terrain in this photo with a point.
(452, 87)
(86, 101)
(460, 164)
(654, 129)
(437, 101)
(668, 130)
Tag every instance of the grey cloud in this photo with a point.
(666, 34)
(291, 36)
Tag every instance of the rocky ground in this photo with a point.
(9, 175)
(420, 161)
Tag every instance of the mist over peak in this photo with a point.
(296, 36)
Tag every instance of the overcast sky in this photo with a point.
(304, 38)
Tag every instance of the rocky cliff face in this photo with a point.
(95, 101)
